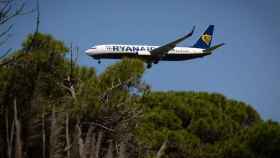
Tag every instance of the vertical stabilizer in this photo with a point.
(205, 40)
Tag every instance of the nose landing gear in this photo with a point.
(99, 61)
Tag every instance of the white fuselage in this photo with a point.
(116, 51)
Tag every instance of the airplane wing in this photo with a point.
(162, 50)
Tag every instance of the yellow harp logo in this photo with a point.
(206, 38)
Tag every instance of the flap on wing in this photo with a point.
(167, 47)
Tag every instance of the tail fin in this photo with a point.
(204, 41)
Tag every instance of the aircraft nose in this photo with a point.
(88, 51)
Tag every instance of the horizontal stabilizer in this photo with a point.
(209, 50)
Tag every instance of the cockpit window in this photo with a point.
(94, 47)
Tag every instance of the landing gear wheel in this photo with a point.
(156, 62)
(149, 65)
(99, 62)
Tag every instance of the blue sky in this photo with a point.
(246, 69)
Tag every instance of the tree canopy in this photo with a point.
(52, 107)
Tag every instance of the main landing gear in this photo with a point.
(149, 65)
(156, 62)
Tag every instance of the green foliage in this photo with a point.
(44, 42)
(37, 73)
(129, 71)
(233, 148)
(264, 139)
(200, 124)
(194, 124)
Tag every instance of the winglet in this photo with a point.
(193, 29)
(167, 47)
(190, 34)
(185, 37)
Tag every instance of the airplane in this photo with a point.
(153, 54)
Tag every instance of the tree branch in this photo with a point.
(19, 11)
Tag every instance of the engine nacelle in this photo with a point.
(144, 53)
